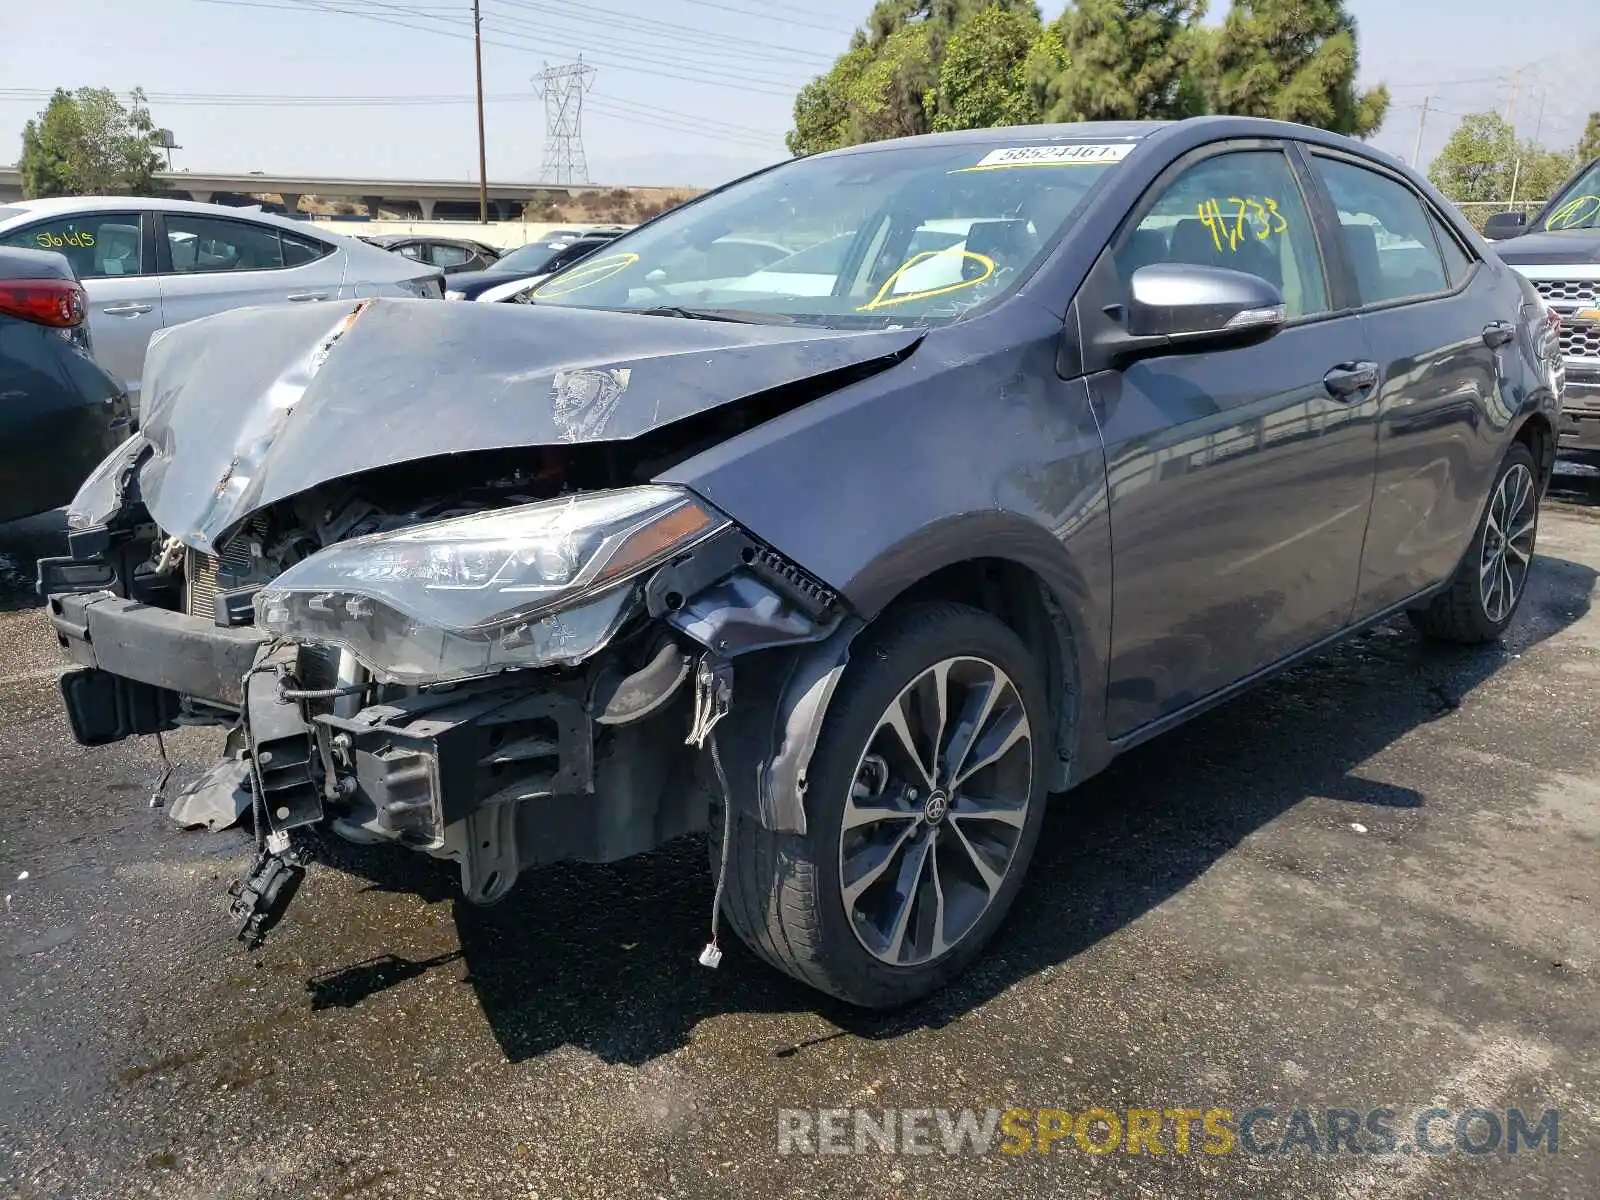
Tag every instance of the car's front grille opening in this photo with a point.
(1580, 341)
(201, 571)
(200, 585)
(1568, 289)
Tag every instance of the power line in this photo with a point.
(664, 118)
(648, 54)
(663, 29)
(701, 75)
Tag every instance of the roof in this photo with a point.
(1222, 125)
(1115, 131)
(55, 204)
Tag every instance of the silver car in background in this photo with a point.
(147, 264)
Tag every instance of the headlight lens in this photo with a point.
(100, 495)
(516, 587)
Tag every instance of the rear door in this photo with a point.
(211, 264)
(113, 254)
(1433, 316)
(1240, 480)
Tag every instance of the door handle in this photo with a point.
(1348, 380)
(1498, 333)
(125, 310)
(308, 295)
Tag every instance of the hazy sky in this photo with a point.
(685, 91)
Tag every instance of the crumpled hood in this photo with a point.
(1551, 249)
(252, 406)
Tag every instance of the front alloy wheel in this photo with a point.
(923, 804)
(936, 811)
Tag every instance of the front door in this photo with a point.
(1240, 481)
(112, 255)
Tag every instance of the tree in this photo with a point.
(984, 76)
(87, 144)
(1589, 144)
(1483, 161)
(1294, 60)
(1130, 60)
(887, 83)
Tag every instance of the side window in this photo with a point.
(203, 244)
(1241, 210)
(297, 250)
(1386, 231)
(450, 256)
(1458, 263)
(411, 250)
(97, 244)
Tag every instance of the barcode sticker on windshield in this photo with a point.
(1063, 155)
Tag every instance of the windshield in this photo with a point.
(917, 234)
(1578, 207)
(532, 258)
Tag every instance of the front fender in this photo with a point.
(973, 448)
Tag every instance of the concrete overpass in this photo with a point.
(506, 200)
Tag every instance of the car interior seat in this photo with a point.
(1009, 243)
(1144, 248)
(1362, 243)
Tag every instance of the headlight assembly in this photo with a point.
(100, 496)
(534, 585)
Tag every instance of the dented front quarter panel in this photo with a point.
(253, 406)
(973, 449)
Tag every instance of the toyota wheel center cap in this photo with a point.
(935, 809)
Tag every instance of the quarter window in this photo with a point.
(199, 245)
(1457, 262)
(1241, 210)
(97, 244)
(299, 250)
(1387, 234)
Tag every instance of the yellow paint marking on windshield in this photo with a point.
(1250, 216)
(883, 299)
(1574, 212)
(54, 241)
(586, 275)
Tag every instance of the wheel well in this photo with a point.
(1539, 437)
(1020, 600)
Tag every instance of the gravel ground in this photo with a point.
(1370, 883)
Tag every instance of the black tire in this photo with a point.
(1464, 612)
(784, 896)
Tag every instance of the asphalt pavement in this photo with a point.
(1370, 884)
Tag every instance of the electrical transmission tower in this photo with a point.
(563, 89)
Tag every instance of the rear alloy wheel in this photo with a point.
(924, 802)
(1489, 583)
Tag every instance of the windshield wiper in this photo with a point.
(738, 316)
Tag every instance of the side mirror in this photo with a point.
(1194, 307)
(1505, 225)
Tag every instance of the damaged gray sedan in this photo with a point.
(1018, 448)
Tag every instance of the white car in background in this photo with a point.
(147, 264)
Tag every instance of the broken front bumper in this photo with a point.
(140, 661)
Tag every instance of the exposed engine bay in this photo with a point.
(504, 656)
